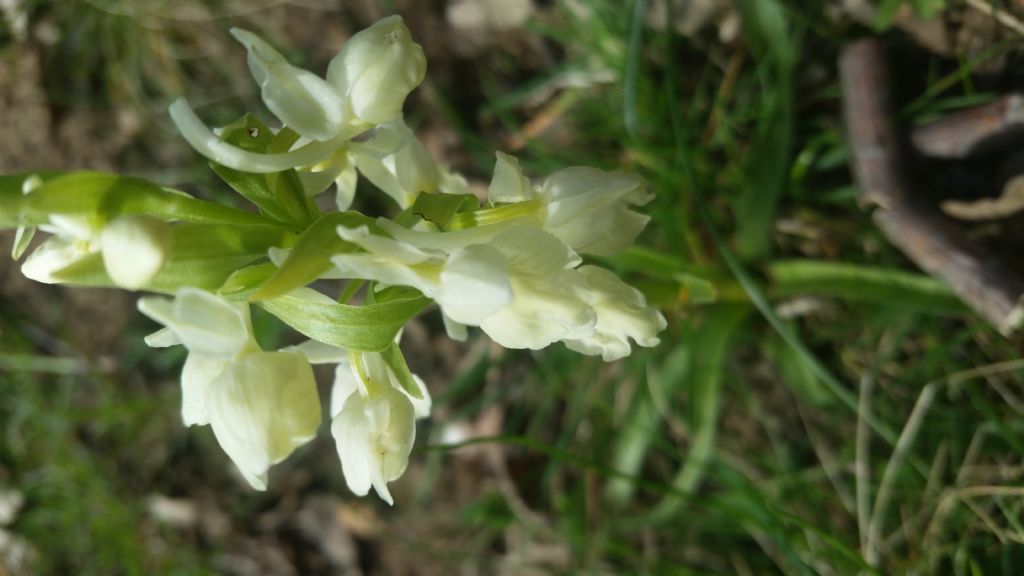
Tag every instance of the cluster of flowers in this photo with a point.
(511, 267)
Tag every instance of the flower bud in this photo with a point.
(74, 238)
(134, 250)
(377, 69)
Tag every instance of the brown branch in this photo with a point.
(957, 135)
(916, 229)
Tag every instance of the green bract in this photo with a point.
(511, 266)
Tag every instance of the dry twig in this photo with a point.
(958, 134)
(918, 230)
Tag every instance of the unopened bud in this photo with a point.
(134, 250)
(377, 69)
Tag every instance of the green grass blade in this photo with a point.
(861, 283)
(757, 296)
(643, 423)
(774, 46)
(635, 50)
(711, 346)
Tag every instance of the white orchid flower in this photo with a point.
(261, 405)
(388, 261)
(376, 69)
(374, 418)
(366, 85)
(391, 157)
(338, 169)
(544, 306)
(516, 282)
(426, 267)
(508, 184)
(374, 423)
(133, 248)
(64, 248)
(622, 313)
(395, 161)
(419, 260)
(587, 208)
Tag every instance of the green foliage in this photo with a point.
(311, 255)
(439, 209)
(279, 195)
(888, 9)
(202, 255)
(67, 435)
(859, 283)
(107, 196)
(774, 45)
(369, 328)
(395, 360)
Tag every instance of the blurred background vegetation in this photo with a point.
(817, 405)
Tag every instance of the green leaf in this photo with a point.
(244, 281)
(108, 196)
(279, 195)
(311, 255)
(439, 209)
(287, 186)
(202, 256)
(642, 423)
(647, 261)
(14, 182)
(370, 328)
(22, 238)
(712, 340)
(696, 290)
(766, 171)
(797, 374)
(859, 283)
(396, 361)
(392, 293)
(886, 13)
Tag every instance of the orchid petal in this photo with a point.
(205, 323)
(302, 100)
(263, 407)
(208, 144)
